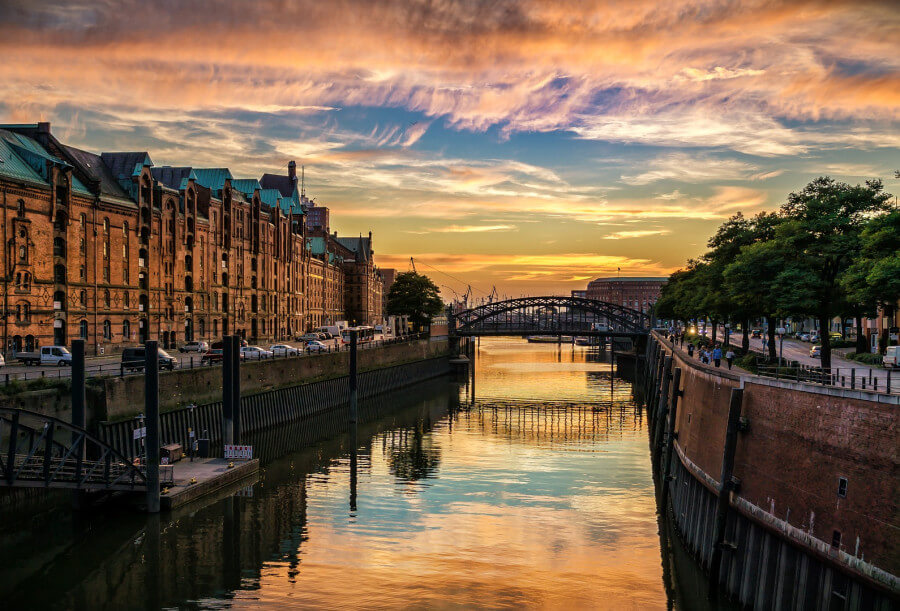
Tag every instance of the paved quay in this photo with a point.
(209, 475)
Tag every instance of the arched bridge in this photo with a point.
(38, 451)
(550, 316)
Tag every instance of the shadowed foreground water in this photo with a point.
(538, 495)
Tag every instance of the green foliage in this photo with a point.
(867, 358)
(61, 385)
(416, 296)
(747, 362)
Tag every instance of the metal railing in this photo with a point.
(854, 378)
(184, 362)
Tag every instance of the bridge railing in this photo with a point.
(41, 451)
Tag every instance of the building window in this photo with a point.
(82, 298)
(106, 226)
(83, 329)
(106, 300)
(20, 208)
(82, 272)
(107, 330)
(126, 297)
(23, 312)
(126, 330)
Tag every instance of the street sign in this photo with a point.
(238, 451)
(140, 433)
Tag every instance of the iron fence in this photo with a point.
(882, 381)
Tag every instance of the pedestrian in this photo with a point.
(717, 355)
(729, 357)
(691, 350)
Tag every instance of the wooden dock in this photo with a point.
(209, 475)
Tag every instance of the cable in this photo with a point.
(421, 262)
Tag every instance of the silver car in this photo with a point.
(254, 353)
(284, 350)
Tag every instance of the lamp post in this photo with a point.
(727, 333)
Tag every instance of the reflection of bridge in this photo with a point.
(551, 316)
(38, 451)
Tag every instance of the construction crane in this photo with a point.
(493, 294)
(412, 264)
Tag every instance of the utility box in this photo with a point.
(171, 453)
(203, 448)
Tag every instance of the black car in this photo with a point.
(133, 359)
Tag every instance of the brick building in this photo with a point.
(636, 293)
(115, 250)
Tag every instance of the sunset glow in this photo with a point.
(530, 145)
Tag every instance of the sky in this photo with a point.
(528, 145)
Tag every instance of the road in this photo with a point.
(110, 364)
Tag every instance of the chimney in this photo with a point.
(292, 170)
(43, 127)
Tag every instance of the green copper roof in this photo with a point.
(270, 197)
(212, 178)
(245, 185)
(316, 245)
(12, 165)
(24, 159)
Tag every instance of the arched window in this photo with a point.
(82, 298)
(59, 273)
(126, 330)
(126, 297)
(202, 327)
(106, 300)
(20, 208)
(23, 312)
(107, 330)
(59, 247)
(83, 329)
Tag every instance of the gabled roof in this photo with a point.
(361, 246)
(95, 167)
(212, 178)
(25, 159)
(284, 184)
(125, 165)
(245, 185)
(270, 197)
(173, 177)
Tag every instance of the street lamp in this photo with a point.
(780, 331)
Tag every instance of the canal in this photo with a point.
(538, 494)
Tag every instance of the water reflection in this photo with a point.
(539, 494)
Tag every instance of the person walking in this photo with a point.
(691, 350)
(729, 357)
(717, 355)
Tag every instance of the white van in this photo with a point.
(891, 357)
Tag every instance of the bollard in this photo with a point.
(853, 378)
(151, 409)
(887, 382)
(352, 416)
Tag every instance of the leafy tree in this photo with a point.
(416, 296)
(820, 229)
(874, 276)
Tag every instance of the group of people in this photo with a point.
(713, 356)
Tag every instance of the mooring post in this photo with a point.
(227, 392)
(725, 486)
(236, 388)
(670, 439)
(353, 415)
(151, 410)
(662, 404)
(78, 412)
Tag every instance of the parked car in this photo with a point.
(213, 355)
(309, 337)
(47, 355)
(814, 337)
(756, 333)
(815, 351)
(891, 357)
(804, 337)
(316, 346)
(200, 347)
(835, 335)
(133, 359)
(284, 350)
(254, 353)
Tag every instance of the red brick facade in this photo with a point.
(117, 251)
(636, 293)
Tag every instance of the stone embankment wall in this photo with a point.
(120, 398)
(813, 513)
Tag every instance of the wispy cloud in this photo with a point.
(642, 233)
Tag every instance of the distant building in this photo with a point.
(636, 293)
(582, 294)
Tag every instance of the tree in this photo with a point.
(820, 229)
(416, 296)
(874, 277)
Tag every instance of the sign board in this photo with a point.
(236, 451)
(140, 433)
